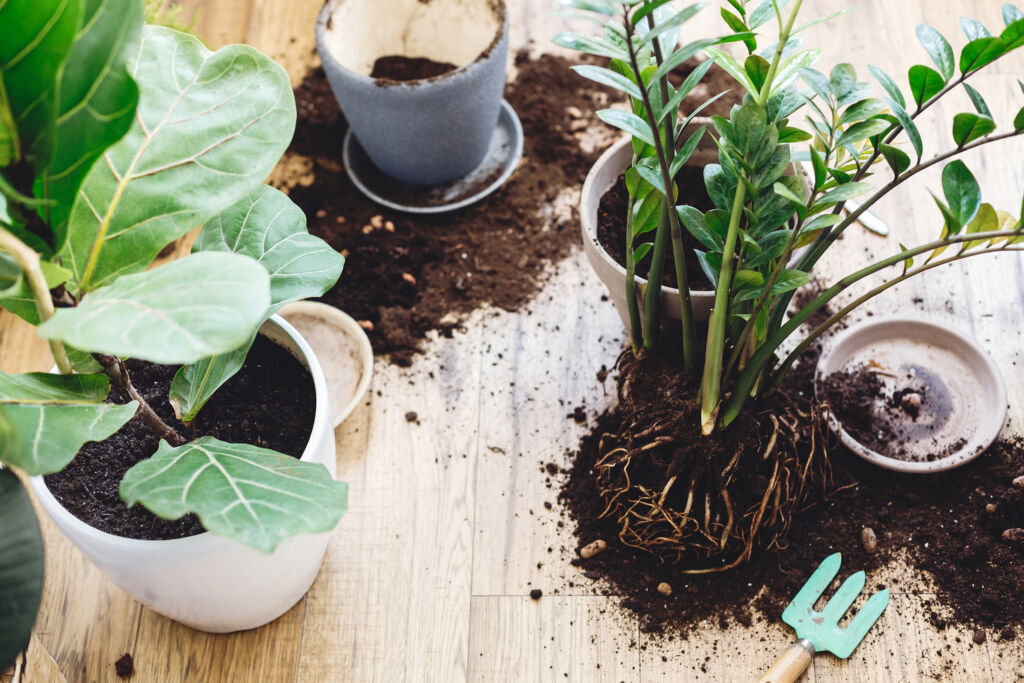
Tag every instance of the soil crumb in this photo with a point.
(125, 666)
(270, 403)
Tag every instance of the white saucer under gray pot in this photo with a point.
(601, 178)
(959, 390)
(425, 131)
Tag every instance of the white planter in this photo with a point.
(606, 171)
(208, 582)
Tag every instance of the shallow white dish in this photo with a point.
(965, 404)
(343, 349)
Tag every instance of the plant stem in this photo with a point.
(117, 371)
(28, 260)
(653, 293)
(711, 382)
(635, 328)
(766, 351)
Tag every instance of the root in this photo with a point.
(708, 507)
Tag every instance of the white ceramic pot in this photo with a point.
(208, 582)
(964, 396)
(606, 171)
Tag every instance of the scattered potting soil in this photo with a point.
(956, 527)
(124, 667)
(611, 227)
(407, 275)
(270, 403)
(401, 68)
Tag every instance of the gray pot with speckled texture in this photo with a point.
(427, 131)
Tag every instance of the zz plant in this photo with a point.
(747, 245)
(116, 139)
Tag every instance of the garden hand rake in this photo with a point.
(819, 631)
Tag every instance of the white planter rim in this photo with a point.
(205, 539)
(834, 358)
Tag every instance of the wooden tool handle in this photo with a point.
(790, 664)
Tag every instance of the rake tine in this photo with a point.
(844, 597)
(863, 621)
(816, 585)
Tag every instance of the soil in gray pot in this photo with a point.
(401, 68)
(270, 403)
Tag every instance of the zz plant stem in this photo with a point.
(653, 293)
(711, 383)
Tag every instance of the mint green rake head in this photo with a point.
(822, 628)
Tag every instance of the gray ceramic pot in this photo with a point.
(426, 131)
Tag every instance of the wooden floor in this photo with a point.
(427, 577)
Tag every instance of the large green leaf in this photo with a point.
(96, 101)
(191, 308)
(268, 227)
(37, 38)
(925, 83)
(969, 126)
(53, 415)
(21, 568)
(253, 495)
(980, 52)
(938, 49)
(962, 192)
(209, 127)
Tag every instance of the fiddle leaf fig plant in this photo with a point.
(792, 116)
(116, 139)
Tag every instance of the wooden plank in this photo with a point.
(538, 368)
(585, 639)
(392, 602)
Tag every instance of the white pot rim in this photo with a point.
(589, 222)
(986, 368)
(205, 539)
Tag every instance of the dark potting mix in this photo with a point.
(270, 403)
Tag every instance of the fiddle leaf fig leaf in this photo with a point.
(21, 567)
(197, 306)
(969, 126)
(209, 127)
(54, 415)
(15, 295)
(269, 227)
(37, 39)
(962, 192)
(97, 102)
(938, 49)
(252, 495)
(925, 83)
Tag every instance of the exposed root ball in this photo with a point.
(705, 502)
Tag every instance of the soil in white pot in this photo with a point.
(270, 403)
(401, 68)
(611, 228)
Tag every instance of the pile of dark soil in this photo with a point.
(270, 403)
(405, 274)
(952, 526)
(400, 68)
